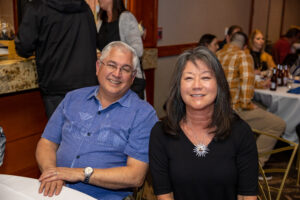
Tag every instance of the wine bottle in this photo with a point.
(273, 85)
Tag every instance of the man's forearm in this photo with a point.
(128, 176)
(118, 178)
(46, 154)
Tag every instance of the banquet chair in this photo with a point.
(145, 192)
(263, 186)
(290, 146)
(298, 156)
(298, 166)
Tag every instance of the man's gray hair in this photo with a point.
(123, 46)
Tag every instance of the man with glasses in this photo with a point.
(97, 139)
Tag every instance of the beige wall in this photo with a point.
(292, 14)
(163, 74)
(184, 21)
(275, 19)
(260, 15)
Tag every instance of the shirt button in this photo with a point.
(99, 112)
(77, 157)
(89, 134)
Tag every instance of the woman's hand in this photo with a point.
(257, 72)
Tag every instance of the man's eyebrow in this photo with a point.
(111, 61)
(114, 62)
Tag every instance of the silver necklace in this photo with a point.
(200, 149)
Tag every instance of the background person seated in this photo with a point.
(231, 30)
(263, 62)
(210, 41)
(97, 139)
(239, 70)
(284, 45)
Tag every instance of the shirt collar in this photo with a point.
(123, 101)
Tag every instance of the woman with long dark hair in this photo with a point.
(210, 41)
(201, 149)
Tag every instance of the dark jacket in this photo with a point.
(62, 33)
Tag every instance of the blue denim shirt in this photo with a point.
(89, 135)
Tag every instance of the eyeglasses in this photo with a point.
(112, 66)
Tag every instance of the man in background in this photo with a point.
(283, 46)
(238, 66)
(62, 36)
(232, 29)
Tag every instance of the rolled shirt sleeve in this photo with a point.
(246, 71)
(138, 142)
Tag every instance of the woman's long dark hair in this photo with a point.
(118, 8)
(175, 107)
(206, 39)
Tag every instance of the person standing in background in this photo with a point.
(62, 33)
(115, 23)
(283, 46)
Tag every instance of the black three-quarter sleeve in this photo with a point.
(158, 161)
(247, 161)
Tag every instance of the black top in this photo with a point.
(258, 64)
(63, 36)
(230, 168)
(108, 32)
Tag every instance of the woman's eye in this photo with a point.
(188, 78)
(206, 78)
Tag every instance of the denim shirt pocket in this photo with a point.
(111, 137)
(73, 128)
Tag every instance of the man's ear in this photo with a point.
(133, 75)
(97, 66)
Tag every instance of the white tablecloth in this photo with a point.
(284, 105)
(23, 188)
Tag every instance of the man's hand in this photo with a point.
(62, 173)
(50, 187)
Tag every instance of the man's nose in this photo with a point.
(117, 72)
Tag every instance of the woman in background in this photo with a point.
(115, 23)
(201, 149)
(262, 60)
(210, 41)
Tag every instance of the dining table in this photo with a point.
(283, 104)
(18, 187)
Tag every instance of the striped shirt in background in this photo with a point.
(238, 66)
